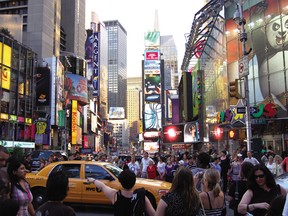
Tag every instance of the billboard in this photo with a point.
(6, 65)
(76, 87)
(152, 39)
(116, 113)
(152, 67)
(96, 65)
(74, 122)
(173, 133)
(152, 55)
(191, 132)
(152, 116)
(151, 147)
(43, 80)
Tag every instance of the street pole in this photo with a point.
(243, 39)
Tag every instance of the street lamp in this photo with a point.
(240, 21)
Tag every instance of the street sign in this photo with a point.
(243, 66)
(241, 110)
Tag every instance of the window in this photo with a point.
(71, 170)
(96, 172)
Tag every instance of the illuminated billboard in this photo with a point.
(76, 87)
(151, 147)
(116, 113)
(6, 65)
(43, 86)
(173, 133)
(152, 116)
(152, 55)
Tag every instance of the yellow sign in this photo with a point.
(5, 69)
(74, 122)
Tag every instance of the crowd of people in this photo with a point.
(202, 184)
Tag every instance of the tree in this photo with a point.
(5, 31)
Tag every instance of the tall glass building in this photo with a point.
(117, 64)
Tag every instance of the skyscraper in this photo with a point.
(169, 55)
(44, 21)
(117, 64)
(134, 86)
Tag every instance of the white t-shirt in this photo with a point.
(161, 167)
(271, 167)
(134, 167)
(252, 160)
(145, 164)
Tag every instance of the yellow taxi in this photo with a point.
(82, 192)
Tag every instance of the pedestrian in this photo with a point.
(4, 155)
(134, 165)
(251, 159)
(211, 196)
(234, 171)
(215, 164)
(262, 189)
(126, 201)
(202, 164)
(169, 170)
(284, 164)
(27, 162)
(144, 164)
(8, 207)
(182, 198)
(56, 191)
(42, 163)
(278, 167)
(152, 170)
(225, 166)
(271, 165)
(20, 190)
(239, 187)
(161, 167)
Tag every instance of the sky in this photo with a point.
(137, 17)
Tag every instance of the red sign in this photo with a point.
(152, 55)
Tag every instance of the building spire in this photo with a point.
(156, 21)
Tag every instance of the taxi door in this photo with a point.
(73, 173)
(91, 194)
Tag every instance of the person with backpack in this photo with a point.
(126, 201)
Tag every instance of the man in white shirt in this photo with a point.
(134, 165)
(251, 159)
(144, 164)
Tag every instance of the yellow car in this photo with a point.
(82, 192)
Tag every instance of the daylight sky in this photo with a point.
(137, 16)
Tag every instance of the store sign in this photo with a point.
(74, 122)
(11, 144)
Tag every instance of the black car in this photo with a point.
(38, 154)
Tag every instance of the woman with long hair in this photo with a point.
(20, 189)
(262, 189)
(182, 199)
(212, 197)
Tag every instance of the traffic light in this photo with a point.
(233, 134)
(234, 89)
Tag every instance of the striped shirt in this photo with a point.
(210, 211)
(23, 198)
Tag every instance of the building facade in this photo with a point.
(17, 68)
(117, 64)
(134, 86)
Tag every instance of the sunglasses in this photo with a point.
(259, 176)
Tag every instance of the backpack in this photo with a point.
(138, 202)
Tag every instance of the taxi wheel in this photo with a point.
(152, 199)
(38, 197)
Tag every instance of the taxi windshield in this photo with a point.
(113, 169)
